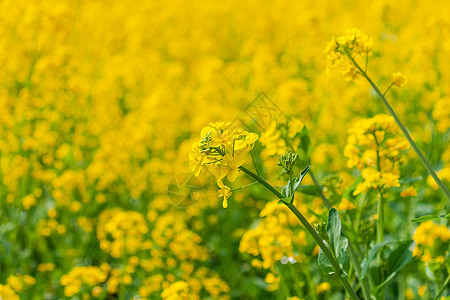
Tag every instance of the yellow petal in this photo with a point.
(232, 175)
(225, 203)
(220, 183)
(206, 130)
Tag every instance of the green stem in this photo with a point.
(326, 251)
(380, 223)
(405, 132)
(446, 282)
(387, 90)
(311, 230)
(245, 186)
(380, 212)
(353, 256)
(254, 164)
(316, 183)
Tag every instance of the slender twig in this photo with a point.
(311, 230)
(388, 88)
(405, 132)
(367, 61)
(253, 160)
(245, 186)
(321, 194)
(446, 282)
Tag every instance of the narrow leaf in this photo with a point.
(368, 259)
(311, 190)
(431, 218)
(398, 258)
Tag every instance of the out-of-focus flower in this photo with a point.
(399, 79)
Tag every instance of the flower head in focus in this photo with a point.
(221, 150)
(342, 49)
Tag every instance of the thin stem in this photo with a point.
(446, 282)
(389, 87)
(353, 257)
(245, 186)
(322, 195)
(311, 230)
(380, 212)
(380, 223)
(367, 61)
(404, 131)
(326, 251)
(254, 164)
(291, 187)
(262, 181)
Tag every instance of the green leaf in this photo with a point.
(324, 263)
(396, 260)
(431, 218)
(367, 260)
(311, 190)
(286, 200)
(410, 180)
(338, 244)
(286, 190)
(448, 257)
(305, 142)
(302, 175)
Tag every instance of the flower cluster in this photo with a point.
(431, 242)
(121, 231)
(282, 135)
(374, 147)
(444, 173)
(144, 76)
(80, 277)
(341, 49)
(441, 113)
(274, 239)
(221, 151)
(15, 284)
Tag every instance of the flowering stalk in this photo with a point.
(344, 281)
(446, 282)
(405, 132)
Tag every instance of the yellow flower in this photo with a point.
(399, 79)
(96, 291)
(28, 202)
(247, 143)
(346, 205)
(409, 294)
(323, 287)
(410, 191)
(354, 43)
(196, 159)
(270, 278)
(220, 150)
(349, 74)
(224, 192)
(422, 290)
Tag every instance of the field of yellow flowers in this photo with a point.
(224, 150)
